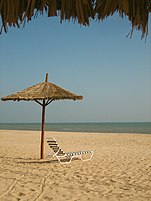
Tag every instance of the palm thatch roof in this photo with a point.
(42, 91)
(17, 12)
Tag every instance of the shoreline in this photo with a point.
(133, 127)
(76, 132)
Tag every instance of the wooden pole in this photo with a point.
(43, 125)
(42, 131)
(46, 80)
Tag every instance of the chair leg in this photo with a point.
(69, 160)
(59, 159)
(88, 158)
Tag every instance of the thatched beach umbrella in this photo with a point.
(43, 94)
(17, 12)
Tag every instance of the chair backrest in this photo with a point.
(55, 146)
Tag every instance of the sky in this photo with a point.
(111, 71)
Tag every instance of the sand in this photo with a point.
(120, 169)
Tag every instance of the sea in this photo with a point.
(132, 127)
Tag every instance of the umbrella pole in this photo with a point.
(42, 130)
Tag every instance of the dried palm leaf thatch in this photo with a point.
(17, 12)
(42, 91)
(136, 10)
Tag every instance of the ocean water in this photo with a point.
(141, 127)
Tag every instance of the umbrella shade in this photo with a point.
(15, 12)
(43, 93)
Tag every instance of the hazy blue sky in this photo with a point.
(112, 72)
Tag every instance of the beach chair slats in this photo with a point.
(78, 153)
(55, 147)
(52, 143)
(59, 153)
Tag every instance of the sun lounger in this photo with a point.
(66, 157)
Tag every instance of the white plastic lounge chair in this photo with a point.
(66, 156)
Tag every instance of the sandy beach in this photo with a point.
(120, 169)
